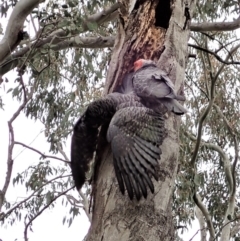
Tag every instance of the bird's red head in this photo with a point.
(138, 64)
(142, 62)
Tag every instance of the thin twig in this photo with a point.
(196, 234)
(10, 160)
(26, 199)
(221, 228)
(40, 153)
(42, 210)
(63, 153)
(213, 53)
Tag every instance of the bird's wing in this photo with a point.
(160, 75)
(84, 140)
(126, 86)
(85, 135)
(135, 134)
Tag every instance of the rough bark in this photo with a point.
(115, 217)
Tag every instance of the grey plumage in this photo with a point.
(135, 133)
(154, 86)
(134, 113)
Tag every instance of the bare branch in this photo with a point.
(236, 146)
(104, 16)
(14, 30)
(33, 24)
(85, 42)
(196, 234)
(206, 214)
(23, 85)
(11, 145)
(235, 229)
(230, 54)
(201, 221)
(40, 153)
(230, 172)
(214, 54)
(199, 134)
(217, 26)
(207, 110)
(231, 183)
(225, 159)
(63, 153)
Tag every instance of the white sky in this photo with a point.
(47, 226)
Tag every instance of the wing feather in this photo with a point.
(85, 134)
(135, 134)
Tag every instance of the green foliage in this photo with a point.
(212, 10)
(209, 176)
(57, 85)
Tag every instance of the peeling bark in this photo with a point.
(115, 217)
(14, 29)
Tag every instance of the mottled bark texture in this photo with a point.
(151, 30)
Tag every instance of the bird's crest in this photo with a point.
(142, 62)
(138, 64)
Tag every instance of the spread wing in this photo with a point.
(85, 134)
(135, 134)
(165, 85)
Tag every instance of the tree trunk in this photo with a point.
(150, 30)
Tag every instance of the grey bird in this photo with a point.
(135, 133)
(134, 115)
(154, 87)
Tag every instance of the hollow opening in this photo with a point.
(163, 13)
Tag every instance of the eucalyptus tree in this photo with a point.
(73, 52)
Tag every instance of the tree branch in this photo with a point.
(40, 153)
(14, 29)
(85, 42)
(236, 229)
(2, 217)
(41, 211)
(230, 54)
(11, 145)
(63, 153)
(206, 214)
(86, 205)
(213, 53)
(231, 183)
(104, 16)
(236, 146)
(201, 221)
(225, 159)
(221, 228)
(56, 38)
(217, 26)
